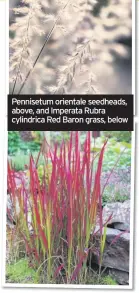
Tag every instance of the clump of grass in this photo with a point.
(58, 213)
(20, 272)
(108, 280)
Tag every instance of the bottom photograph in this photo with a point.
(68, 208)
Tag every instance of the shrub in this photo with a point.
(17, 144)
(58, 213)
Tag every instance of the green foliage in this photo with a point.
(121, 136)
(112, 154)
(16, 144)
(21, 159)
(108, 280)
(20, 272)
(13, 141)
(38, 136)
(109, 199)
(29, 146)
(114, 150)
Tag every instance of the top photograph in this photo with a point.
(70, 47)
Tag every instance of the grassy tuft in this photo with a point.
(20, 272)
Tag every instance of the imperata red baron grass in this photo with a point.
(57, 215)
